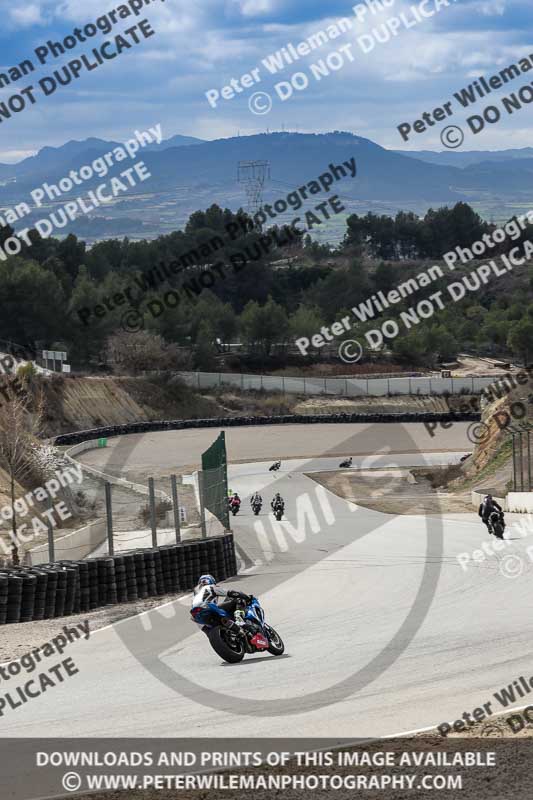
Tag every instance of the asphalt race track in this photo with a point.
(384, 631)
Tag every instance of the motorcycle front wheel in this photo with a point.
(226, 646)
(276, 646)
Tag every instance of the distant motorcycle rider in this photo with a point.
(486, 508)
(256, 499)
(277, 502)
(235, 500)
(206, 591)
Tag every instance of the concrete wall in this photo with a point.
(73, 546)
(347, 387)
(92, 444)
(521, 502)
(479, 494)
(518, 502)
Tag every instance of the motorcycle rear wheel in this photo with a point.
(276, 646)
(231, 654)
(498, 530)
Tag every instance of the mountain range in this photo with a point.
(190, 174)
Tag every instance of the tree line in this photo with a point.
(289, 291)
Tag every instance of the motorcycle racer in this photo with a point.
(235, 500)
(489, 505)
(256, 499)
(206, 591)
(278, 501)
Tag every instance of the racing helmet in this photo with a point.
(206, 580)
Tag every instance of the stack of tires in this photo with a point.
(286, 419)
(3, 598)
(63, 588)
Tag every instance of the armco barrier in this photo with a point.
(287, 419)
(73, 587)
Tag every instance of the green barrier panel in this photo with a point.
(215, 469)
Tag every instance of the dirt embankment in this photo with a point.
(490, 465)
(81, 403)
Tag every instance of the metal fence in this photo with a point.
(168, 521)
(522, 457)
(346, 387)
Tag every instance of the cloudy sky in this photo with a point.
(200, 45)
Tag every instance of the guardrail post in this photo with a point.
(51, 544)
(528, 460)
(201, 489)
(521, 462)
(109, 519)
(153, 521)
(514, 462)
(175, 506)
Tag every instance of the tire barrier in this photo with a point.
(287, 419)
(72, 587)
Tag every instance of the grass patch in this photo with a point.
(500, 459)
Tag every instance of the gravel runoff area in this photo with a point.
(19, 638)
(393, 491)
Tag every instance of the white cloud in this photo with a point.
(26, 16)
(255, 8)
(493, 8)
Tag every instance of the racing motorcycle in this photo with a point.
(496, 524)
(275, 466)
(231, 641)
(256, 508)
(278, 510)
(234, 507)
(346, 463)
